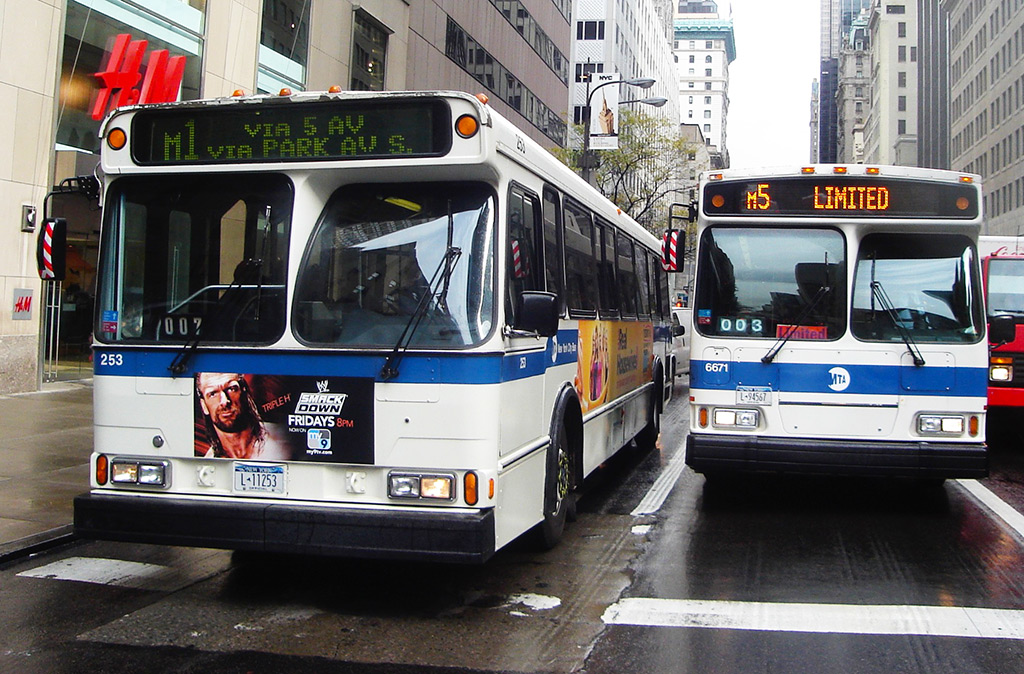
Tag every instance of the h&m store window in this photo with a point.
(109, 45)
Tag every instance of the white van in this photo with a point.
(682, 326)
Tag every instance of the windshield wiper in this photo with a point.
(774, 351)
(883, 299)
(438, 281)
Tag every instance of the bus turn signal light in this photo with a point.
(101, 469)
(470, 484)
(467, 126)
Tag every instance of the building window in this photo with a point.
(585, 70)
(913, 54)
(284, 46)
(895, 9)
(707, 128)
(901, 79)
(369, 48)
(690, 84)
(691, 100)
(689, 114)
(901, 53)
(707, 114)
(901, 29)
(707, 72)
(707, 85)
(693, 58)
(590, 30)
(901, 126)
(901, 103)
(707, 59)
(709, 45)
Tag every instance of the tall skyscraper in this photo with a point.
(837, 17)
(704, 48)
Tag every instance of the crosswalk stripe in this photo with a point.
(108, 572)
(948, 621)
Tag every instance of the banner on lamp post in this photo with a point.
(604, 113)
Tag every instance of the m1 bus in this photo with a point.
(1002, 260)
(384, 325)
(838, 324)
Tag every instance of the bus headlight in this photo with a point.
(736, 418)
(138, 472)
(1000, 368)
(940, 424)
(419, 486)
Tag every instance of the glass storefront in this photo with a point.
(109, 48)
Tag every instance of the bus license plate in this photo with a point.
(753, 395)
(258, 478)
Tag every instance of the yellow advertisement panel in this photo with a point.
(614, 358)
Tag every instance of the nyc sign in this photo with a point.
(119, 80)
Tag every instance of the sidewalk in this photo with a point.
(45, 444)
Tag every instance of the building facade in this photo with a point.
(986, 91)
(704, 47)
(890, 132)
(82, 58)
(837, 17)
(853, 93)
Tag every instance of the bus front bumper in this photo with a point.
(441, 536)
(753, 454)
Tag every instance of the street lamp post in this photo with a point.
(589, 160)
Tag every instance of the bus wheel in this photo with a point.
(647, 438)
(558, 497)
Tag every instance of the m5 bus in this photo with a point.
(838, 324)
(384, 325)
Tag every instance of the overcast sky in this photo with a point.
(770, 81)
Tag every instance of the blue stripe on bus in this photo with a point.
(414, 368)
(840, 378)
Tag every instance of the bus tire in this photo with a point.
(559, 499)
(647, 438)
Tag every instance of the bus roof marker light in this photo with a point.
(334, 89)
(967, 179)
(285, 92)
(467, 126)
(117, 138)
(483, 98)
(840, 170)
(807, 169)
(715, 176)
(238, 93)
(872, 170)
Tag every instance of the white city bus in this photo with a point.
(838, 323)
(359, 324)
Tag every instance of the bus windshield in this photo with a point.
(199, 256)
(930, 281)
(771, 283)
(377, 264)
(1006, 286)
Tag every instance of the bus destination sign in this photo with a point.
(837, 197)
(292, 132)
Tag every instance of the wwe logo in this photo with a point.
(121, 75)
(322, 386)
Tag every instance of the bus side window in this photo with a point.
(580, 270)
(643, 268)
(604, 252)
(553, 267)
(626, 272)
(523, 261)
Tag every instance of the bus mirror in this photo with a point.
(1002, 329)
(51, 249)
(673, 248)
(537, 311)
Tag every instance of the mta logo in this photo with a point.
(839, 379)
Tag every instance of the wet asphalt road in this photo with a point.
(752, 576)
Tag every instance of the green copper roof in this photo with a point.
(708, 29)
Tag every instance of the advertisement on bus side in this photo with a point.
(614, 358)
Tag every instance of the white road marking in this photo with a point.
(998, 506)
(939, 621)
(109, 572)
(659, 491)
